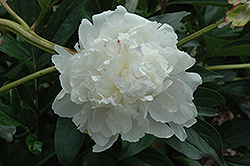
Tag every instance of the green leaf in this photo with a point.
(106, 158)
(12, 73)
(206, 75)
(148, 157)
(130, 149)
(64, 21)
(206, 97)
(235, 48)
(25, 95)
(239, 15)
(235, 133)
(173, 19)
(7, 116)
(62, 25)
(236, 2)
(239, 88)
(238, 161)
(228, 75)
(68, 140)
(213, 44)
(186, 161)
(28, 10)
(33, 145)
(220, 47)
(202, 2)
(14, 49)
(44, 3)
(202, 141)
(206, 111)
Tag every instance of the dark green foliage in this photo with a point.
(42, 138)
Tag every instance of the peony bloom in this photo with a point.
(128, 78)
(7, 132)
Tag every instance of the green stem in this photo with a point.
(13, 14)
(199, 33)
(42, 14)
(29, 36)
(45, 159)
(225, 67)
(38, 20)
(27, 78)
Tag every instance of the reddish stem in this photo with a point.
(163, 4)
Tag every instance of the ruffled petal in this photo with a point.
(186, 111)
(178, 131)
(136, 132)
(162, 108)
(159, 129)
(99, 117)
(166, 32)
(119, 120)
(97, 148)
(99, 139)
(183, 63)
(61, 59)
(64, 107)
(193, 80)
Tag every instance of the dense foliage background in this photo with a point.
(221, 136)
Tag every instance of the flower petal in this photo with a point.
(183, 63)
(178, 131)
(97, 148)
(99, 117)
(61, 59)
(159, 129)
(7, 132)
(162, 108)
(64, 107)
(136, 132)
(193, 80)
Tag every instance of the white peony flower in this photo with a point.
(7, 132)
(128, 78)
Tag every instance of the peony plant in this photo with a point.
(137, 89)
(128, 78)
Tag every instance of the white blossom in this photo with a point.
(128, 78)
(7, 132)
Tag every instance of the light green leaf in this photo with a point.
(44, 3)
(239, 15)
(33, 145)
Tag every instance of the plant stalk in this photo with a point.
(225, 67)
(199, 33)
(27, 78)
(29, 36)
(13, 14)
